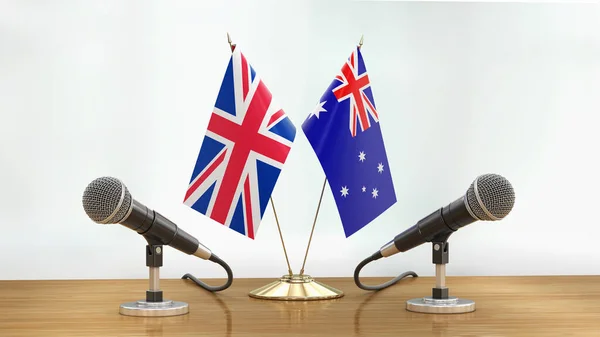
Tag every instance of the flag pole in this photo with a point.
(360, 43)
(231, 45)
(295, 287)
(313, 225)
(281, 237)
(287, 260)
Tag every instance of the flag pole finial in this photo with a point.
(231, 45)
(362, 39)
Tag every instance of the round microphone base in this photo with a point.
(451, 305)
(296, 288)
(154, 309)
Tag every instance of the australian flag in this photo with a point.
(345, 133)
(244, 149)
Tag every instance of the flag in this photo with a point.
(247, 142)
(345, 133)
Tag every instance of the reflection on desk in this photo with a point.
(506, 306)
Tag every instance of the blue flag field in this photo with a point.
(345, 133)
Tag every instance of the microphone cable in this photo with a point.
(210, 288)
(382, 286)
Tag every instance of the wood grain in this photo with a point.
(506, 306)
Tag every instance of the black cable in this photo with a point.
(201, 284)
(370, 259)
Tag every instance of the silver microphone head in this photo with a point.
(490, 197)
(107, 200)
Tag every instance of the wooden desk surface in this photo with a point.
(506, 306)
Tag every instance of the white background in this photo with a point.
(125, 88)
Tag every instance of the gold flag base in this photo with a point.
(296, 288)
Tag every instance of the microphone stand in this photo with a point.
(154, 305)
(440, 302)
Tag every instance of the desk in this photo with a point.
(506, 306)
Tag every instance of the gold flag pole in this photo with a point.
(231, 45)
(313, 226)
(281, 237)
(299, 287)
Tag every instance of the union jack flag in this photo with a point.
(244, 149)
(354, 83)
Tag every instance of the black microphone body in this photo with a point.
(158, 229)
(436, 226)
(489, 198)
(107, 200)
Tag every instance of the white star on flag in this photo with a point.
(380, 168)
(364, 189)
(319, 108)
(375, 193)
(361, 156)
(344, 191)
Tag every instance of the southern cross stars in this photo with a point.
(344, 191)
(362, 156)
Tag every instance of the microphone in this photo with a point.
(106, 200)
(490, 197)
